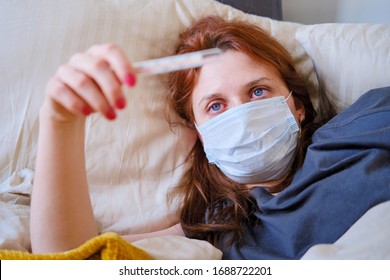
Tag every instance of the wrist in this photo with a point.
(54, 114)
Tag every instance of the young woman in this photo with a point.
(261, 185)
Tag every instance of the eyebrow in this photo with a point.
(255, 82)
(247, 85)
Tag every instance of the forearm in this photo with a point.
(173, 230)
(61, 211)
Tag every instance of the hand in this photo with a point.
(89, 82)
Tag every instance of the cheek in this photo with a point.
(198, 121)
(200, 138)
(195, 111)
(199, 116)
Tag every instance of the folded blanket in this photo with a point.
(108, 246)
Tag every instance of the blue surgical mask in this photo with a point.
(254, 142)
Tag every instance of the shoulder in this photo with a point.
(370, 113)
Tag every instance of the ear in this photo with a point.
(301, 114)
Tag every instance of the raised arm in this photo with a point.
(61, 211)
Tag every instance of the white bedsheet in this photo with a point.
(15, 210)
(367, 239)
(15, 195)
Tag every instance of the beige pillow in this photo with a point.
(349, 59)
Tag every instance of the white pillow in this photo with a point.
(178, 248)
(133, 162)
(349, 59)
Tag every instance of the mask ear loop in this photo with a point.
(288, 97)
(300, 119)
(300, 126)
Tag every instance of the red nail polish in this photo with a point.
(111, 115)
(120, 103)
(130, 80)
(86, 110)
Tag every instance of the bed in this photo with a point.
(129, 187)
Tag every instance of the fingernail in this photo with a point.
(130, 80)
(120, 103)
(86, 110)
(111, 115)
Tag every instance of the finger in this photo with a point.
(85, 87)
(117, 60)
(100, 71)
(65, 99)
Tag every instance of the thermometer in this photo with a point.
(177, 62)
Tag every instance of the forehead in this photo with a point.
(231, 72)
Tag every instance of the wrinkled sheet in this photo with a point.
(367, 239)
(15, 195)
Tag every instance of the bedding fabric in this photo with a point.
(15, 210)
(345, 173)
(367, 239)
(15, 195)
(349, 58)
(108, 246)
(133, 163)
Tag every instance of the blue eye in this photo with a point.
(215, 107)
(258, 92)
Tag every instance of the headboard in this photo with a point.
(266, 8)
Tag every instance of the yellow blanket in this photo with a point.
(108, 246)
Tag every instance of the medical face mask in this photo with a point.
(254, 142)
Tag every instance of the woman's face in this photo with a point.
(233, 80)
